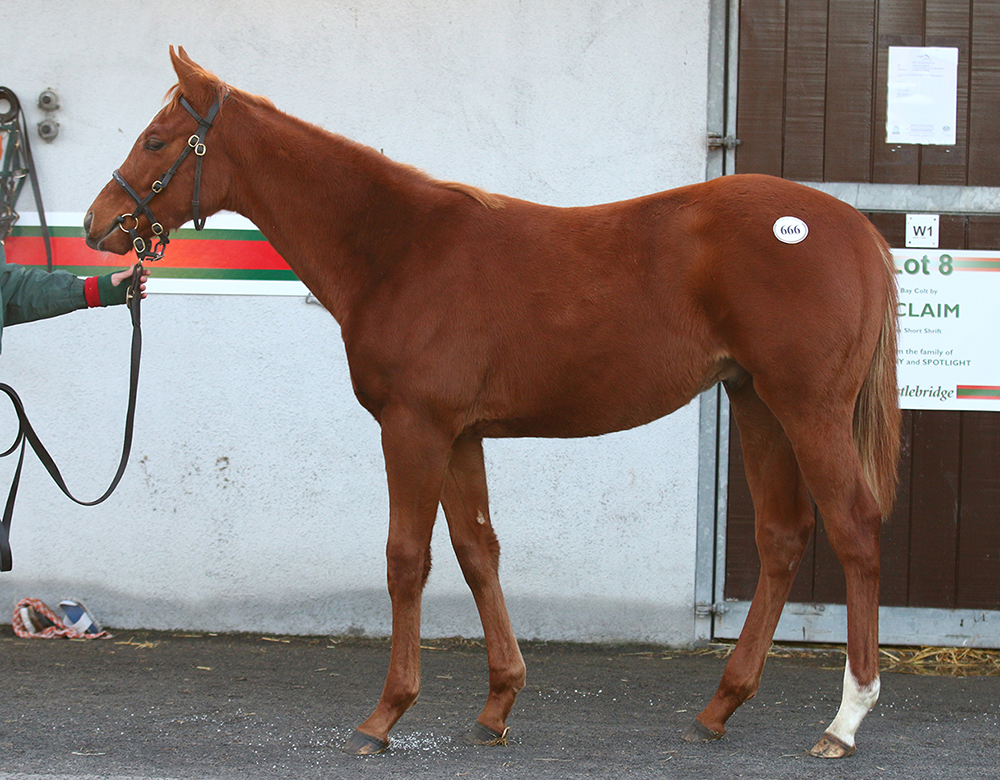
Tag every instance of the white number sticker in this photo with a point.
(790, 230)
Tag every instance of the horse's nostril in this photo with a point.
(88, 221)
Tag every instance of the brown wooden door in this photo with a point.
(811, 107)
(812, 90)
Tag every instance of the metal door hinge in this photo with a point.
(719, 141)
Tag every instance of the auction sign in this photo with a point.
(949, 329)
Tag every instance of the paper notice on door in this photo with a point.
(922, 95)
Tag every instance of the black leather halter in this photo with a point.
(196, 144)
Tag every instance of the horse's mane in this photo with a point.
(488, 199)
(172, 98)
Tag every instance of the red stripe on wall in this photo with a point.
(181, 253)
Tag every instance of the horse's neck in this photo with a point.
(331, 208)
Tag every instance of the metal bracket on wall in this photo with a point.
(719, 141)
(703, 609)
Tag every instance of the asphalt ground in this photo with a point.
(147, 705)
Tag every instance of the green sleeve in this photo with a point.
(34, 294)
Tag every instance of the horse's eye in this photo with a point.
(154, 144)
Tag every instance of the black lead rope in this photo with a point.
(26, 434)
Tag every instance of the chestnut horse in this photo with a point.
(468, 315)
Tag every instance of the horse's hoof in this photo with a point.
(361, 744)
(831, 747)
(699, 732)
(484, 735)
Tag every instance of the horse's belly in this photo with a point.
(614, 400)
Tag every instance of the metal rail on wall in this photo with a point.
(16, 167)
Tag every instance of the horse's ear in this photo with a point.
(194, 80)
(180, 59)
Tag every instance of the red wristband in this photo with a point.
(91, 292)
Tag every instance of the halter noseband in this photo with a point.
(196, 144)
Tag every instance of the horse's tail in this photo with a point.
(876, 413)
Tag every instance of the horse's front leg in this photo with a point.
(416, 456)
(466, 505)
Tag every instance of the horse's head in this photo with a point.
(138, 203)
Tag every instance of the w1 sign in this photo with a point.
(949, 329)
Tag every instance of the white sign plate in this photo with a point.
(948, 351)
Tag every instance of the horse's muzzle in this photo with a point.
(104, 242)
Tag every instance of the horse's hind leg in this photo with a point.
(818, 420)
(784, 523)
(853, 523)
(466, 506)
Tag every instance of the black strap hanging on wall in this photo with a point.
(16, 166)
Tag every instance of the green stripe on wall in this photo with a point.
(217, 234)
(223, 273)
(192, 273)
(56, 232)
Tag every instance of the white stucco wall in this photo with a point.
(255, 496)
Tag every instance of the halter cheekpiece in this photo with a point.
(196, 144)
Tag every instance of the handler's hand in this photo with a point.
(126, 276)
